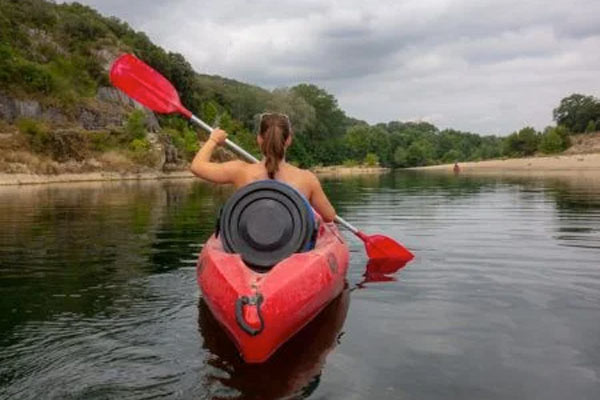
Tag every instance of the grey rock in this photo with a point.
(28, 108)
(12, 109)
(8, 110)
(151, 122)
(114, 95)
(106, 57)
(54, 115)
(89, 119)
(171, 156)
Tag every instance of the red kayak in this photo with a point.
(261, 311)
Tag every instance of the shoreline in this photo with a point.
(340, 171)
(33, 179)
(588, 164)
(8, 179)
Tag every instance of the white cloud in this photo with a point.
(485, 66)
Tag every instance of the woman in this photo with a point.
(274, 137)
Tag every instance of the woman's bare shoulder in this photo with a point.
(309, 178)
(304, 174)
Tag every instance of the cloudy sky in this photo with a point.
(484, 66)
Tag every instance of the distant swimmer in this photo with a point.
(456, 168)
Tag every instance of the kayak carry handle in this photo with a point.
(239, 313)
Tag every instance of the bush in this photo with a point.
(78, 28)
(554, 140)
(400, 157)
(36, 132)
(135, 128)
(140, 145)
(371, 160)
(141, 152)
(71, 76)
(591, 127)
(7, 63)
(185, 141)
(34, 77)
(190, 143)
(103, 141)
(551, 143)
(350, 163)
(522, 143)
(59, 145)
(31, 127)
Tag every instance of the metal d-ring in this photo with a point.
(255, 300)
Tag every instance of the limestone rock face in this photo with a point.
(115, 96)
(12, 109)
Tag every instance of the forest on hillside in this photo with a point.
(59, 54)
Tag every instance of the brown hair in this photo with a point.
(274, 130)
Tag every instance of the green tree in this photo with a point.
(420, 153)
(400, 157)
(529, 140)
(362, 139)
(330, 120)
(576, 111)
(551, 143)
(452, 156)
(357, 140)
(554, 140)
(522, 143)
(302, 115)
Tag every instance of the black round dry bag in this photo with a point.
(265, 222)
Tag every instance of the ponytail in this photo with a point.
(275, 129)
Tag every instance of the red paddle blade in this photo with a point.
(381, 270)
(145, 85)
(382, 247)
(384, 266)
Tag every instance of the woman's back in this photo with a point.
(293, 176)
(303, 181)
(274, 137)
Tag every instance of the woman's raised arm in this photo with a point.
(215, 172)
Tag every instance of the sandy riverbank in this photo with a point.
(337, 170)
(33, 179)
(588, 164)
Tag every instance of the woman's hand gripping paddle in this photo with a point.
(147, 86)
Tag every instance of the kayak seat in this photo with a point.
(265, 222)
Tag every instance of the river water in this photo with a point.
(98, 295)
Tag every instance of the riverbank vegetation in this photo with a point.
(54, 60)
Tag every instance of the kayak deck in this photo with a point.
(261, 311)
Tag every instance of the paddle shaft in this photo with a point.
(237, 149)
(249, 157)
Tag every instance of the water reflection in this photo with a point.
(294, 371)
(381, 270)
(100, 300)
(61, 246)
